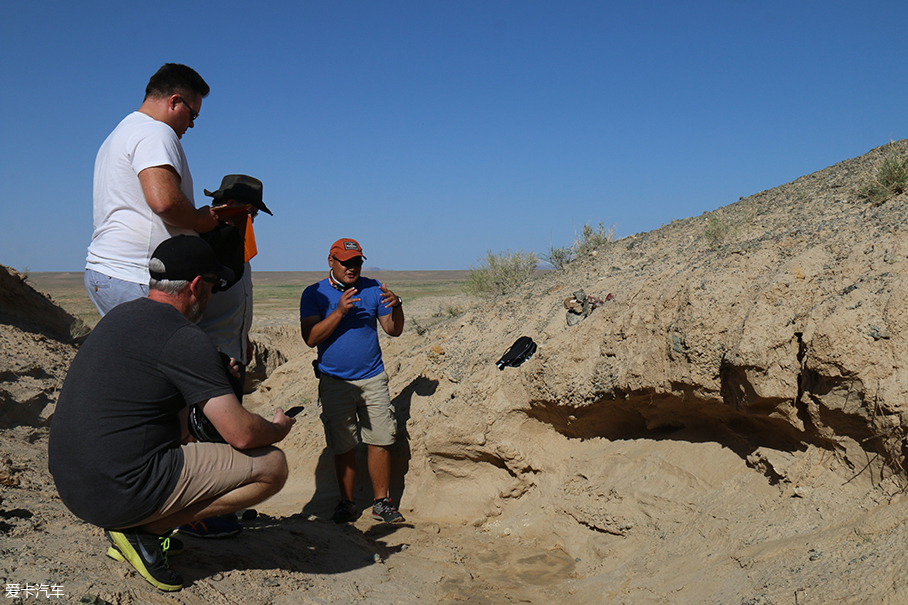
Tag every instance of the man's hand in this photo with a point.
(315, 329)
(283, 422)
(392, 323)
(233, 367)
(388, 297)
(206, 219)
(347, 301)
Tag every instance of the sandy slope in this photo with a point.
(728, 428)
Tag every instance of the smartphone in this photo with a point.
(294, 411)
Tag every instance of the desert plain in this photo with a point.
(725, 423)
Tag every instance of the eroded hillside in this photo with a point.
(731, 416)
(727, 426)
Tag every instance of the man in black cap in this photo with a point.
(117, 451)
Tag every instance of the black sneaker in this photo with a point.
(170, 545)
(212, 527)
(383, 510)
(345, 512)
(145, 552)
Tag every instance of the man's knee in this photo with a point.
(271, 467)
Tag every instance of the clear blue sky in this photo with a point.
(434, 131)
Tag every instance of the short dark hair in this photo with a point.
(175, 78)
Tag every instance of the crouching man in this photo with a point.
(117, 451)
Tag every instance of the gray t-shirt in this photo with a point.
(114, 449)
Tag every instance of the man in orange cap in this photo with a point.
(339, 315)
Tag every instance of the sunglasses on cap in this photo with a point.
(219, 283)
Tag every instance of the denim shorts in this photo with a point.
(108, 292)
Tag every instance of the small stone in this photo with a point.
(573, 318)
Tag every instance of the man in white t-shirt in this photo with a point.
(143, 188)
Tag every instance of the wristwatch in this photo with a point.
(400, 301)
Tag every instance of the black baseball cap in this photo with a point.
(185, 257)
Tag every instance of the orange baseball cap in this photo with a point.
(345, 249)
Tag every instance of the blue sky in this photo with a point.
(435, 131)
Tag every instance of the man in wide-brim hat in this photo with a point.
(228, 318)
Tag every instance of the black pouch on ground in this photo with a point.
(522, 349)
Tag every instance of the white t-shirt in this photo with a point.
(127, 231)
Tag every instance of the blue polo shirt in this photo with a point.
(352, 351)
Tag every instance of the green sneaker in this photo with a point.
(171, 546)
(146, 553)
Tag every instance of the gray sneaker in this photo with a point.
(345, 512)
(383, 510)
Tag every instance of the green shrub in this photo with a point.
(501, 273)
(586, 243)
(558, 257)
(891, 179)
(78, 329)
(717, 231)
(591, 239)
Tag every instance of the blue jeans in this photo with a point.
(108, 292)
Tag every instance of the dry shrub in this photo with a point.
(501, 273)
(890, 180)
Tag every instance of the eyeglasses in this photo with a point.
(193, 114)
(350, 263)
(214, 279)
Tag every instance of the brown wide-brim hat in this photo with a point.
(242, 188)
(345, 249)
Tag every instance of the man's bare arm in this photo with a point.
(315, 329)
(243, 429)
(393, 323)
(161, 186)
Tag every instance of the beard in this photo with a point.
(195, 312)
(197, 309)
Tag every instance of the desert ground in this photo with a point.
(723, 421)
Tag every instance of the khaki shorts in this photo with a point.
(209, 470)
(354, 410)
